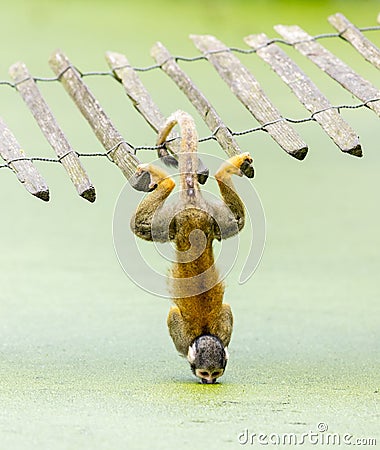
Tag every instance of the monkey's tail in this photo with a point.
(188, 160)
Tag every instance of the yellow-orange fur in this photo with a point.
(192, 224)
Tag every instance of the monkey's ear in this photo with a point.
(226, 354)
(191, 354)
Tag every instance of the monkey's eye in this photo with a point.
(216, 374)
(204, 374)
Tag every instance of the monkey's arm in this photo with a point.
(230, 215)
(183, 332)
(152, 218)
(179, 331)
(223, 325)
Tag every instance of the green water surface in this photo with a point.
(85, 358)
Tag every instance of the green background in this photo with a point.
(85, 358)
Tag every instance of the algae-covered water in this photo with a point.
(85, 358)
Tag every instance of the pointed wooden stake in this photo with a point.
(249, 92)
(24, 169)
(333, 66)
(30, 93)
(119, 151)
(307, 93)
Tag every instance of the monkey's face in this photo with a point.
(208, 358)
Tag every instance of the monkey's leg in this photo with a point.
(151, 220)
(230, 220)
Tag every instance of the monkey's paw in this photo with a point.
(157, 175)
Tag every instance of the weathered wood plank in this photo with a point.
(222, 134)
(24, 169)
(331, 65)
(307, 93)
(30, 93)
(139, 95)
(249, 92)
(119, 151)
(356, 38)
(144, 103)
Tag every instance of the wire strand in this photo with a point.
(203, 57)
(135, 149)
(110, 73)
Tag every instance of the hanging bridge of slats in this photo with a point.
(237, 77)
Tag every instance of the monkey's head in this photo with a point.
(208, 358)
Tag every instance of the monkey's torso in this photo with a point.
(194, 282)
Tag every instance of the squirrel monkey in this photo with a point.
(199, 323)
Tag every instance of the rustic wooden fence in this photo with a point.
(238, 78)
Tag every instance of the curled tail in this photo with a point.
(188, 159)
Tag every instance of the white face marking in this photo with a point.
(208, 375)
(191, 354)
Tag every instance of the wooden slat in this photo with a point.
(332, 65)
(122, 154)
(39, 108)
(25, 170)
(139, 95)
(249, 92)
(222, 134)
(355, 37)
(307, 93)
(144, 103)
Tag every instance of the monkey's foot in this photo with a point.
(157, 175)
(236, 165)
(238, 160)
